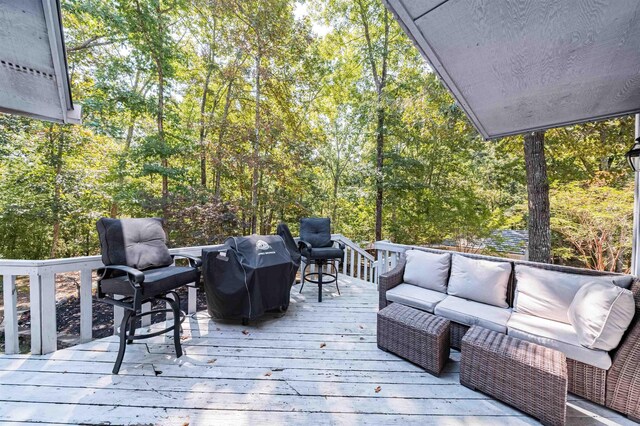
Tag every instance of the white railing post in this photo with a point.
(10, 298)
(86, 305)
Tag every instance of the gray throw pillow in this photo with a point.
(601, 313)
(479, 280)
(427, 270)
(138, 243)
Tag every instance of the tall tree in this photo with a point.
(539, 219)
(378, 59)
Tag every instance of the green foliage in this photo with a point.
(174, 125)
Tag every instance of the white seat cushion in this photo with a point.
(470, 313)
(548, 294)
(427, 270)
(416, 297)
(601, 313)
(479, 280)
(555, 335)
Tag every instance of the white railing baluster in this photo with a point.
(352, 264)
(48, 319)
(394, 259)
(359, 266)
(366, 269)
(192, 301)
(35, 310)
(86, 306)
(118, 313)
(145, 321)
(10, 298)
(344, 261)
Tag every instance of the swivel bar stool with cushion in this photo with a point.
(317, 248)
(138, 269)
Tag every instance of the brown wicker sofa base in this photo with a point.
(527, 376)
(414, 335)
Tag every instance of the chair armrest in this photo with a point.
(135, 276)
(389, 280)
(303, 244)
(194, 261)
(341, 245)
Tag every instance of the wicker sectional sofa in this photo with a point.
(539, 315)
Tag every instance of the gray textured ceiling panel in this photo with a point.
(517, 66)
(33, 69)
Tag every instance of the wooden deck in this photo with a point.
(319, 364)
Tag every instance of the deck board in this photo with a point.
(317, 364)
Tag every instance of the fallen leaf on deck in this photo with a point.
(378, 389)
(322, 345)
(268, 373)
(361, 326)
(217, 328)
(245, 332)
(211, 361)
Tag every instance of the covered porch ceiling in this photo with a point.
(520, 66)
(34, 80)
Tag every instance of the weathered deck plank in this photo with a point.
(318, 364)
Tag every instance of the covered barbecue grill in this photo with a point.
(248, 276)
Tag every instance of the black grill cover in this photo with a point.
(250, 276)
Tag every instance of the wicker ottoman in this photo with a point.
(530, 377)
(414, 335)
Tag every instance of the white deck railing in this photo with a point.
(42, 292)
(388, 254)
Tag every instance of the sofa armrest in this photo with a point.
(623, 378)
(389, 280)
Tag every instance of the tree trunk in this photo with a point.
(221, 135)
(160, 122)
(203, 147)
(379, 172)
(57, 191)
(538, 193)
(256, 149)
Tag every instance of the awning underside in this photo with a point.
(33, 69)
(518, 66)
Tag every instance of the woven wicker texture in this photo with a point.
(414, 335)
(623, 378)
(619, 387)
(389, 280)
(527, 376)
(587, 381)
(457, 333)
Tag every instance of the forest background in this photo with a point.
(226, 117)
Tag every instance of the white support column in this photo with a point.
(635, 254)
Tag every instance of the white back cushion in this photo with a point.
(601, 313)
(427, 270)
(548, 294)
(483, 281)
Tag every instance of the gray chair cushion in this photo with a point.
(138, 243)
(323, 253)
(468, 312)
(555, 335)
(415, 297)
(156, 281)
(316, 231)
